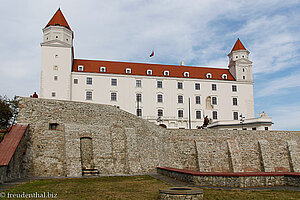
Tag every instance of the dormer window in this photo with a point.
(102, 69)
(224, 76)
(186, 74)
(80, 68)
(149, 72)
(166, 73)
(128, 70)
(208, 75)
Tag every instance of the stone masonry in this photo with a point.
(113, 141)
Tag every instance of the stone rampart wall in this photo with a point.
(123, 143)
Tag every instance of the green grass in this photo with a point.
(132, 187)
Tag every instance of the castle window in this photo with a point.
(114, 82)
(236, 56)
(75, 81)
(56, 36)
(89, 81)
(159, 84)
(67, 39)
(186, 74)
(160, 113)
(53, 126)
(213, 87)
(53, 94)
(139, 97)
(113, 96)
(235, 116)
(55, 78)
(234, 101)
(166, 73)
(102, 69)
(159, 98)
(179, 85)
(55, 67)
(208, 75)
(243, 69)
(224, 76)
(244, 77)
(88, 95)
(215, 115)
(234, 88)
(56, 56)
(197, 86)
(149, 72)
(80, 68)
(139, 112)
(128, 70)
(180, 99)
(138, 83)
(266, 128)
(198, 100)
(214, 100)
(198, 114)
(243, 56)
(180, 113)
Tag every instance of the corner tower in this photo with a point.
(239, 64)
(57, 58)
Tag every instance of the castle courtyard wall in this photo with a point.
(122, 143)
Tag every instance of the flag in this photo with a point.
(152, 54)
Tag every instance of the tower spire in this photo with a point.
(58, 19)
(238, 46)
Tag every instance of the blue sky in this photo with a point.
(200, 33)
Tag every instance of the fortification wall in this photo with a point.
(113, 141)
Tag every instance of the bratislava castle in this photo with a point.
(173, 96)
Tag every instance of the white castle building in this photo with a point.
(169, 95)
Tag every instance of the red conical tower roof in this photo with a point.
(238, 46)
(58, 19)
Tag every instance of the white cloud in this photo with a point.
(281, 85)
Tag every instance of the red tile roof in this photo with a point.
(238, 46)
(58, 19)
(112, 67)
(10, 143)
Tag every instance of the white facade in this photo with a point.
(160, 93)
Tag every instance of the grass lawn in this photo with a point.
(130, 187)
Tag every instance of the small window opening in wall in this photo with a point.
(102, 69)
(243, 69)
(266, 128)
(166, 73)
(55, 78)
(243, 56)
(53, 94)
(56, 56)
(149, 72)
(128, 70)
(53, 126)
(244, 77)
(208, 75)
(56, 36)
(186, 74)
(80, 68)
(236, 56)
(75, 81)
(55, 67)
(47, 38)
(67, 39)
(224, 76)
(254, 128)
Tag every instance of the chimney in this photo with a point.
(181, 63)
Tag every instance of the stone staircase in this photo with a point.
(90, 172)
